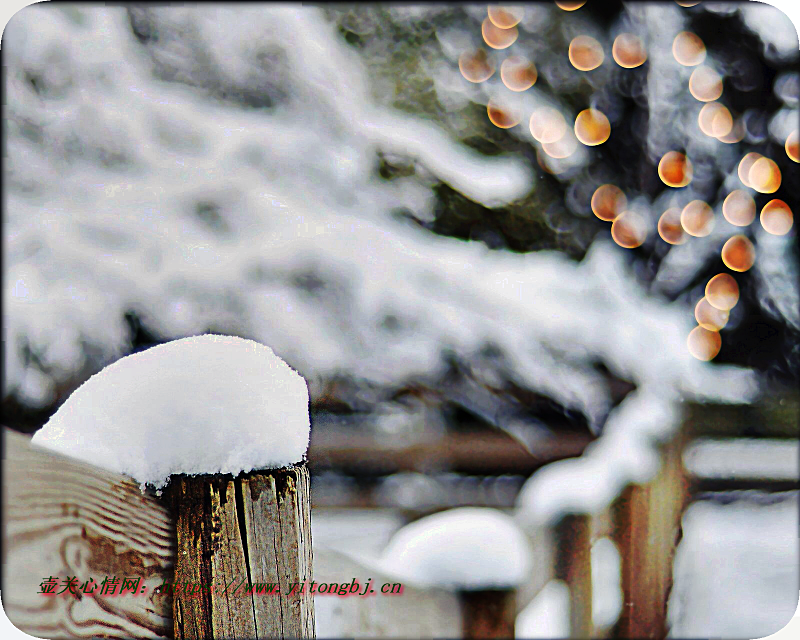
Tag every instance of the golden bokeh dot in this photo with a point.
(722, 123)
(706, 119)
(505, 17)
(744, 167)
(502, 115)
(722, 292)
(675, 169)
(518, 73)
(738, 253)
(705, 84)
(496, 37)
(697, 219)
(570, 5)
(476, 66)
(585, 53)
(764, 176)
(777, 218)
(688, 49)
(608, 202)
(736, 134)
(688, 3)
(547, 125)
(592, 127)
(669, 226)
(561, 148)
(628, 51)
(704, 344)
(629, 230)
(739, 208)
(793, 146)
(710, 317)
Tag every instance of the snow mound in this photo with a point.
(467, 548)
(204, 404)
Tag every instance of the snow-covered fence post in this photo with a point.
(479, 554)
(250, 534)
(226, 422)
(646, 523)
(573, 565)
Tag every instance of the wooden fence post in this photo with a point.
(574, 566)
(237, 535)
(646, 522)
(488, 613)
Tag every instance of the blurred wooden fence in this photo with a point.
(67, 519)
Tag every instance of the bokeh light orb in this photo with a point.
(628, 51)
(710, 317)
(592, 127)
(688, 3)
(765, 176)
(496, 37)
(688, 49)
(476, 66)
(608, 202)
(745, 164)
(792, 146)
(505, 17)
(738, 253)
(739, 208)
(562, 148)
(669, 227)
(585, 53)
(736, 134)
(629, 230)
(705, 84)
(704, 344)
(518, 73)
(570, 5)
(547, 125)
(675, 169)
(697, 219)
(502, 115)
(715, 120)
(777, 218)
(722, 292)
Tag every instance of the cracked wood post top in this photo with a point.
(236, 536)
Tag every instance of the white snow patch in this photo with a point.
(204, 404)
(547, 616)
(466, 548)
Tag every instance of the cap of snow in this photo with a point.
(467, 548)
(205, 404)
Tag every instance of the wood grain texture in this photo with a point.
(573, 565)
(252, 530)
(64, 518)
(647, 529)
(488, 614)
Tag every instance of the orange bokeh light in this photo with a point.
(475, 66)
(669, 227)
(697, 219)
(739, 208)
(502, 115)
(518, 73)
(688, 49)
(738, 253)
(705, 84)
(765, 176)
(585, 53)
(777, 218)
(608, 202)
(505, 17)
(744, 167)
(792, 146)
(592, 127)
(547, 125)
(722, 292)
(704, 344)
(629, 230)
(496, 37)
(628, 51)
(710, 317)
(675, 169)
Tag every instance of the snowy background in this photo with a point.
(327, 183)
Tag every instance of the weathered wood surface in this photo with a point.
(64, 518)
(488, 614)
(254, 528)
(647, 529)
(573, 565)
